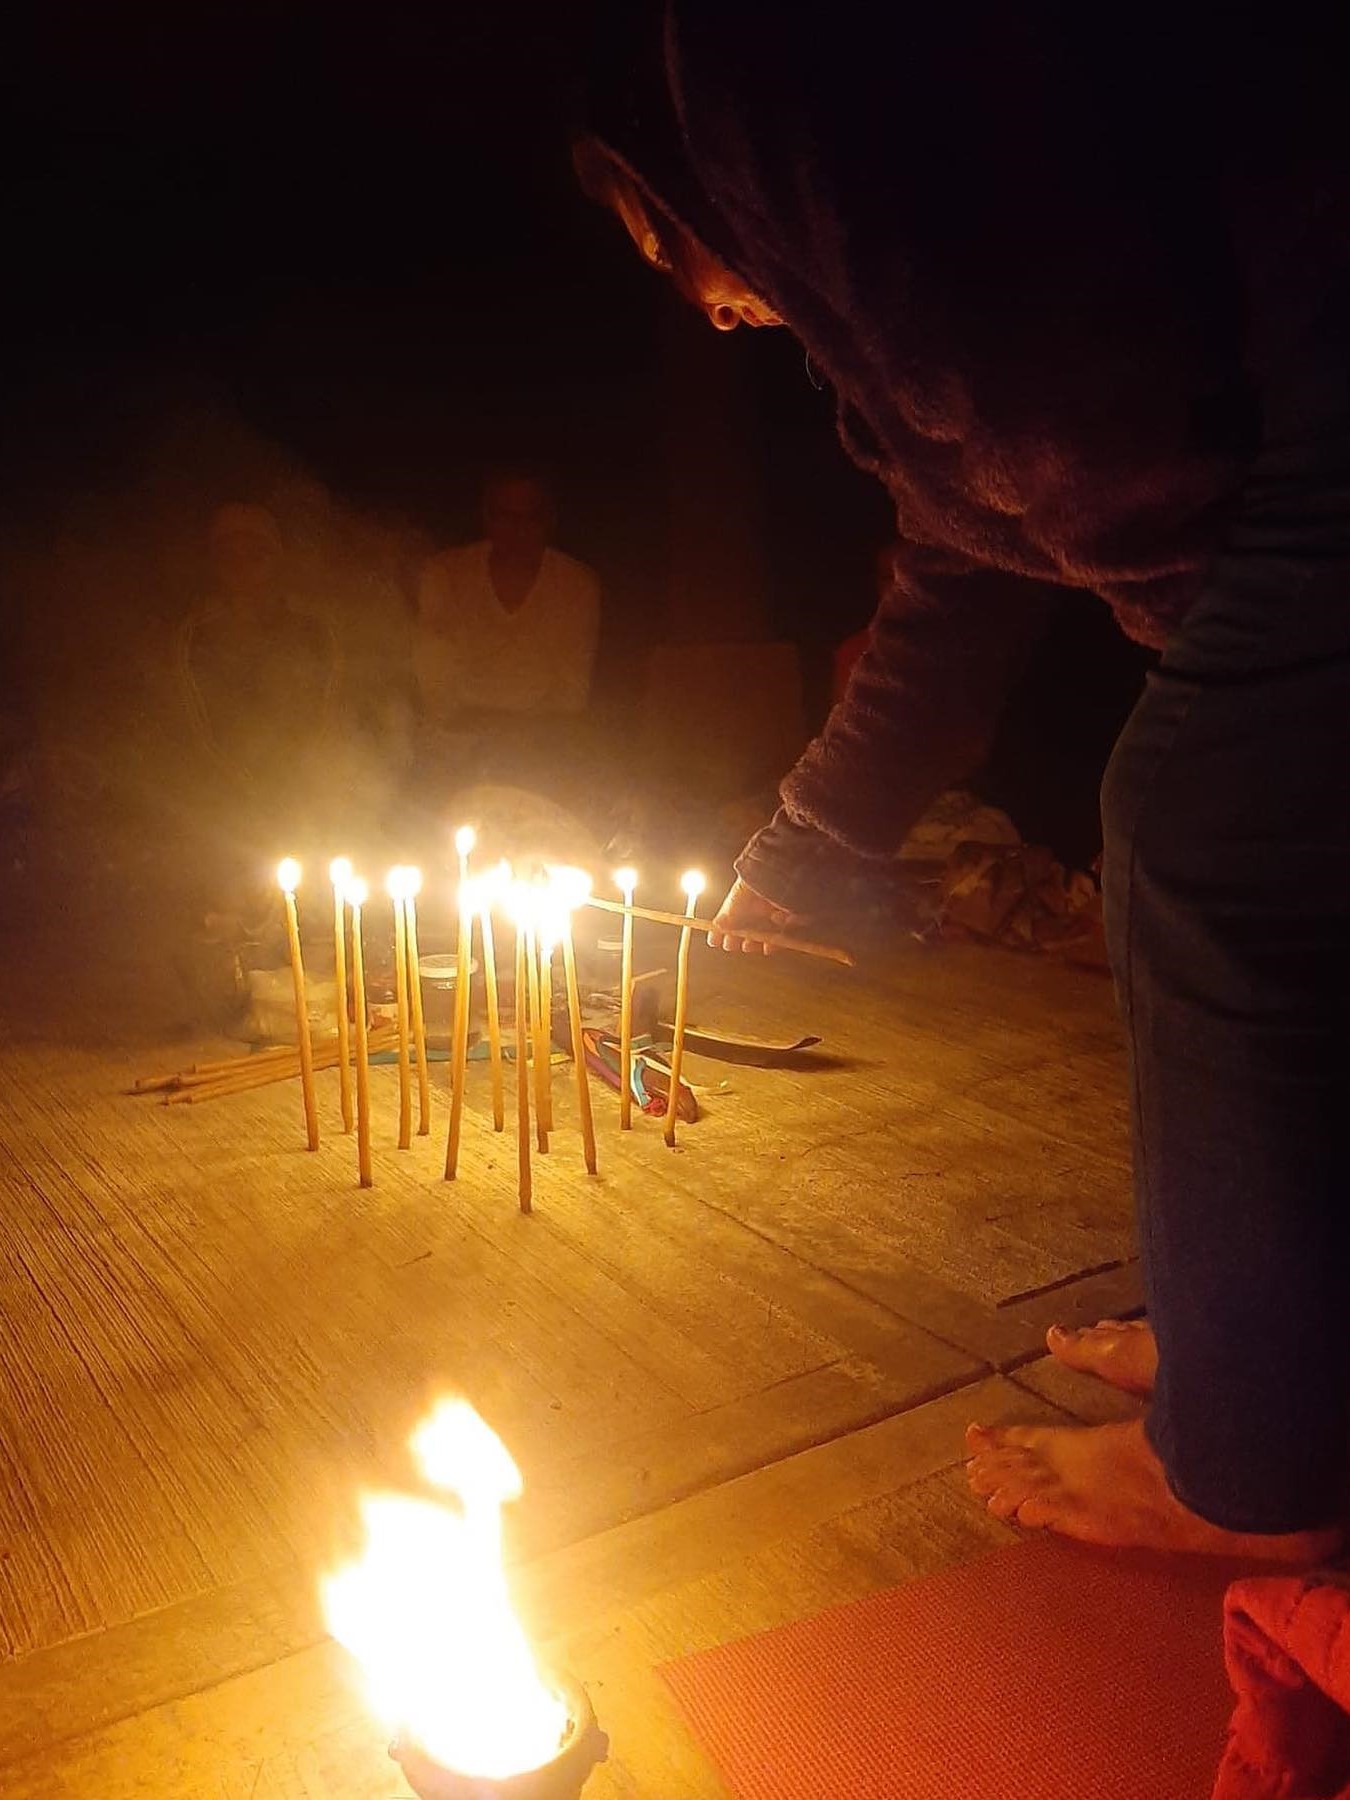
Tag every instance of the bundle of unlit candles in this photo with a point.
(238, 1074)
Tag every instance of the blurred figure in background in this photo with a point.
(506, 636)
(256, 673)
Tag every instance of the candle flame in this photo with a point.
(522, 902)
(465, 839)
(626, 882)
(554, 900)
(693, 883)
(340, 871)
(569, 888)
(396, 882)
(356, 892)
(288, 874)
(427, 1613)
(412, 877)
(496, 884)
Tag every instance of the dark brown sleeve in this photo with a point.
(918, 714)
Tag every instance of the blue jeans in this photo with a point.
(1226, 820)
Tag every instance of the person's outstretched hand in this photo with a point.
(741, 915)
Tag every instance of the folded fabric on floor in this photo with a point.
(1287, 1644)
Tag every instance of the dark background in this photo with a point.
(364, 241)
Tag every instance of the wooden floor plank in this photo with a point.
(210, 1340)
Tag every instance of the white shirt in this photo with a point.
(471, 653)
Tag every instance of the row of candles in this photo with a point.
(540, 911)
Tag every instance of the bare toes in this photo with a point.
(1038, 1511)
(1005, 1468)
(1003, 1503)
(987, 1473)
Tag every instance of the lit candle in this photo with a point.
(340, 873)
(693, 884)
(394, 887)
(570, 888)
(626, 882)
(492, 890)
(541, 1054)
(465, 838)
(412, 879)
(548, 943)
(357, 892)
(525, 1179)
(288, 878)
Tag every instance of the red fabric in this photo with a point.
(1044, 1671)
(1287, 1644)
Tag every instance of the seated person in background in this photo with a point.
(254, 754)
(507, 624)
(256, 673)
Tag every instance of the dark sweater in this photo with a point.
(1068, 287)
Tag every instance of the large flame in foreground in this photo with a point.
(425, 1610)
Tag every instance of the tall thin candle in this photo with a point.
(541, 1054)
(626, 882)
(356, 899)
(570, 888)
(288, 877)
(340, 873)
(491, 891)
(465, 839)
(548, 943)
(693, 884)
(396, 887)
(413, 887)
(525, 1176)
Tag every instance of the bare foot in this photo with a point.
(1103, 1484)
(1121, 1351)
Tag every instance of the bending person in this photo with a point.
(1090, 328)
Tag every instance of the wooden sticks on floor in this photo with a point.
(238, 1074)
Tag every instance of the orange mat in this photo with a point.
(1039, 1672)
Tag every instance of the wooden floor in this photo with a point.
(735, 1375)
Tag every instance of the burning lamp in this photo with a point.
(561, 1778)
(426, 1612)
